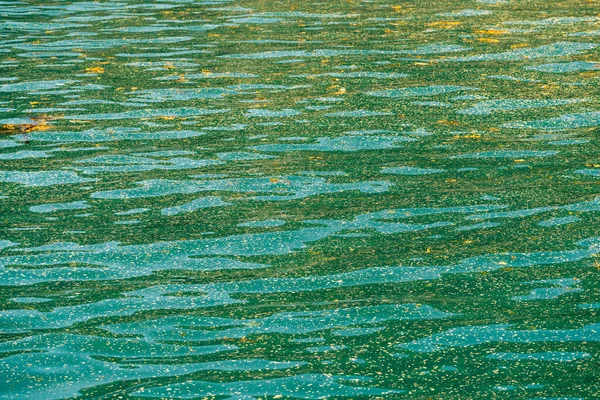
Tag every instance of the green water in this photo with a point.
(337, 199)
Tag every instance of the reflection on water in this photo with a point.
(211, 199)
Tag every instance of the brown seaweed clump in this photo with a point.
(39, 123)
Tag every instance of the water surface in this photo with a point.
(336, 199)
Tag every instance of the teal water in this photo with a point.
(211, 199)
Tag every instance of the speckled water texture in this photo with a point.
(220, 199)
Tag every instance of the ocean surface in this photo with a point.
(217, 199)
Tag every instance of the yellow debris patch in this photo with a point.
(443, 24)
(94, 70)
